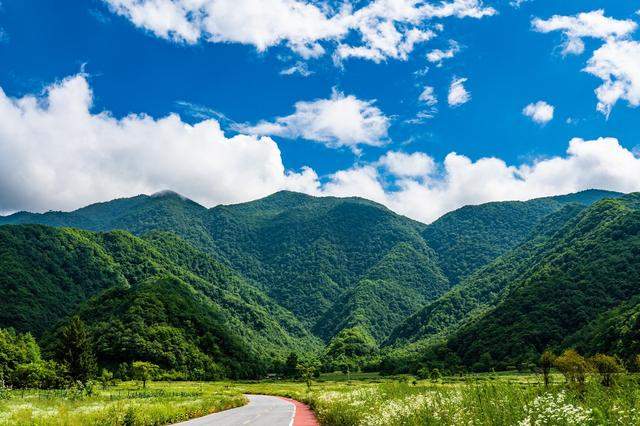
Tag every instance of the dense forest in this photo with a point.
(343, 283)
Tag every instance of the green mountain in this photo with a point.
(473, 236)
(399, 284)
(484, 288)
(287, 267)
(123, 285)
(590, 267)
(307, 253)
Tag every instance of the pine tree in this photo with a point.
(77, 351)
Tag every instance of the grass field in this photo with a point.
(126, 404)
(366, 399)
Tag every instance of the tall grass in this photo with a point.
(162, 404)
(500, 400)
(482, 400)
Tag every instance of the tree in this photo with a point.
(38, 375)
(143, 371)
(106, 378)
(291, 365)
(607, 367)
(307, 371)
(574, 367)
(546, 362)
(77, 350)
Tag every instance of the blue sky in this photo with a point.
(131, 67)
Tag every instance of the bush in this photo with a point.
(38, 375)
(607, 368)
(574, 367)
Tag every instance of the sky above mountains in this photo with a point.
(422, 106)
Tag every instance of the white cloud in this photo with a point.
(383, 28)
(437, 56)
(458, 94)
(428, 96)
(341, 121)
(617, 63)
(587, 24)
(400, 164)
(56, 154)
(540, 112)
(459, 181)
(299, 67)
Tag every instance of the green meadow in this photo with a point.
(363, 399)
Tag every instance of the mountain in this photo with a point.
(590, 267)
(400, 283)
(472, 236)
(318, 264)
(126, 284)
(304, 252)
(482, 289)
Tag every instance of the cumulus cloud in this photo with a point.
(434, 189)
(617, 63)
(437, 56)
(377, 30)
(458, 94)
(400, 164)
(340, 121)
(56, 154)
(587, 24)
(540, 112)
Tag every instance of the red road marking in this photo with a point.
(304, 416)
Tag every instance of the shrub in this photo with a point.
(574, 367)
(38, 375)
(607, 367)
(546, 362)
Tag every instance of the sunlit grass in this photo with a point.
(483, 399)
(126, 404)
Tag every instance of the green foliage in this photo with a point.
(143, 371)
(574, 367)
(76, 350)
(350, 350)
(547, 360)
(607, 367)
(38, 375)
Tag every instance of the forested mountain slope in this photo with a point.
(333, 262)
(484, 288)
(591, 266)
(47, 273)
(472, 236)
(399, 284)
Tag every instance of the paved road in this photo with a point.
(261, 410)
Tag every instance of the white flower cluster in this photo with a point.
(554, 409)
(396, 410)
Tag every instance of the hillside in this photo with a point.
(71, 266)
(591, 266)
(484, 288)
(324, 264)
(472, 236)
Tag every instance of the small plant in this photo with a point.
(106, 378)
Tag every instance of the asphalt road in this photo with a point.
(261, 410)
